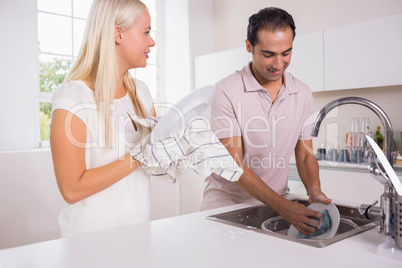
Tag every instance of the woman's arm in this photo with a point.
(75, 182)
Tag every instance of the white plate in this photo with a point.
(172, 123)
(335, 218)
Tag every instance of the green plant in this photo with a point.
(45, 121)
(52, 74)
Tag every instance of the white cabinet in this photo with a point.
(361, 55)
(308, 60)
(366, 54)
(341, 185)
(351, 186)
(30, 201)
(211, 68)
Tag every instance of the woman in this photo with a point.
(91, 129)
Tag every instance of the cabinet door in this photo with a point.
(366, 54)
(211, 68)
(307, 62)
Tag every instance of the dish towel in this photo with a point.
(195, 149)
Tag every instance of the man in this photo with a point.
(259, 114)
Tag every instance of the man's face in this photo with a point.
(271, 55)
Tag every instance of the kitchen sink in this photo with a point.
(265, 220)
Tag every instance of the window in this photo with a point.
(61, 25)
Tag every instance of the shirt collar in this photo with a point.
(251, 84)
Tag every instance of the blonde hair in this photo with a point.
(97, 60)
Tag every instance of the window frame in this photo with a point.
(47, 96)
(40, 97)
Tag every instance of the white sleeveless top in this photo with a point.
(128, 200)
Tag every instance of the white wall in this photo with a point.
(201, 32)
(188, 33)
(29, 199)
(231, 16)
(19, 73)
(388, 98)
(176, 50)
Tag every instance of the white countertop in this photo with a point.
(193, 241)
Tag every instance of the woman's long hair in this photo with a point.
(97, 60)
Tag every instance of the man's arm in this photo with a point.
(308, 169)
(295, 213)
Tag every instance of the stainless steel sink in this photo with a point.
(253, 217)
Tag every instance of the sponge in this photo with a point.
(324, 226)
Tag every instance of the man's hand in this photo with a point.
(318, 196)
(302, 218)
(298, 215)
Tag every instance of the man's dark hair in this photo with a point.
(271, 19)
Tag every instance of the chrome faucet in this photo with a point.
(387, 199)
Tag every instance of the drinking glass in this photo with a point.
(365, 125)
(355, 127)
(343, 155)
(350, 140)
(332, 154)
(360, 141)
(366, 130)
(357, 156)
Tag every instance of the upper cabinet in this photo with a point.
(366, 54)
(360, 55)
(211, 68)
(308, 60)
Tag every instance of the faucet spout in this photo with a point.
(387, 198)
(364, 102)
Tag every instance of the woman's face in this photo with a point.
(134, 46)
